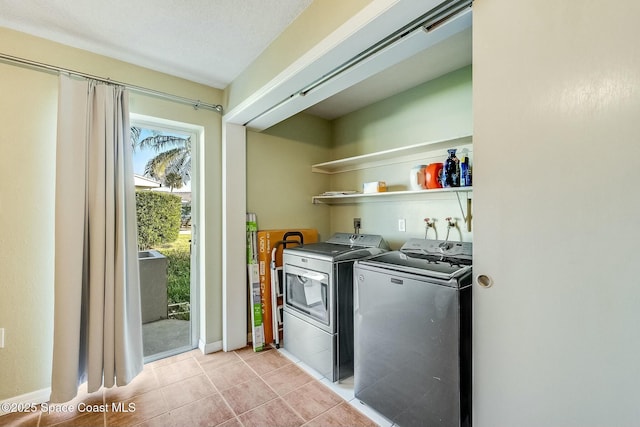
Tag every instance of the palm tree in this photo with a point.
(173, 163)
(173, 180)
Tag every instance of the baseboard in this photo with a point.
(211, 347)
(37, 397)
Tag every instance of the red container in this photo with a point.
(432, 175)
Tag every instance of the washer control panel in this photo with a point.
(439, 247)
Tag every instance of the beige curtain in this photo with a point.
(97, 321)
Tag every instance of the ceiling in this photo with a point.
(206, 41)
(210, 41)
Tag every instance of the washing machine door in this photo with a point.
(444, 268)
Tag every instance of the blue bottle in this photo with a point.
(467, 178)
(451, 170)
(464, 172)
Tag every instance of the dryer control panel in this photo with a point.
(363, 240)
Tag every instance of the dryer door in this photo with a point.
(307, 292)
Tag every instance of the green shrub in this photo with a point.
(158, 218)
(178, 276)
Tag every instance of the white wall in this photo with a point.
(279, 179)
(27, 170)
(556, 108)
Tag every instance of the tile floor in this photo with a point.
(239, 388)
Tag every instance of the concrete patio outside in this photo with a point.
(165, 335)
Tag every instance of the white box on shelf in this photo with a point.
(374, 187)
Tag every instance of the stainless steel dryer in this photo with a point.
(412, 313)
(318, 300)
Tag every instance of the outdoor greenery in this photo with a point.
(173, 180)
(172, 164)
(186, 215)
(158, 218)
(162, 215)
(178, 271)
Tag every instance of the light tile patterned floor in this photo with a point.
(240, 388)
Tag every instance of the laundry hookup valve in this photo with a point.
(429, 223)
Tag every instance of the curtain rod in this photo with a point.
(139, 89)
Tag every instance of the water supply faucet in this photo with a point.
(429, 223)
(451, 223)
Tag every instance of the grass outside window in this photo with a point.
(178, 269)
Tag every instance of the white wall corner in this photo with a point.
(211, 347)
(234, 207)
